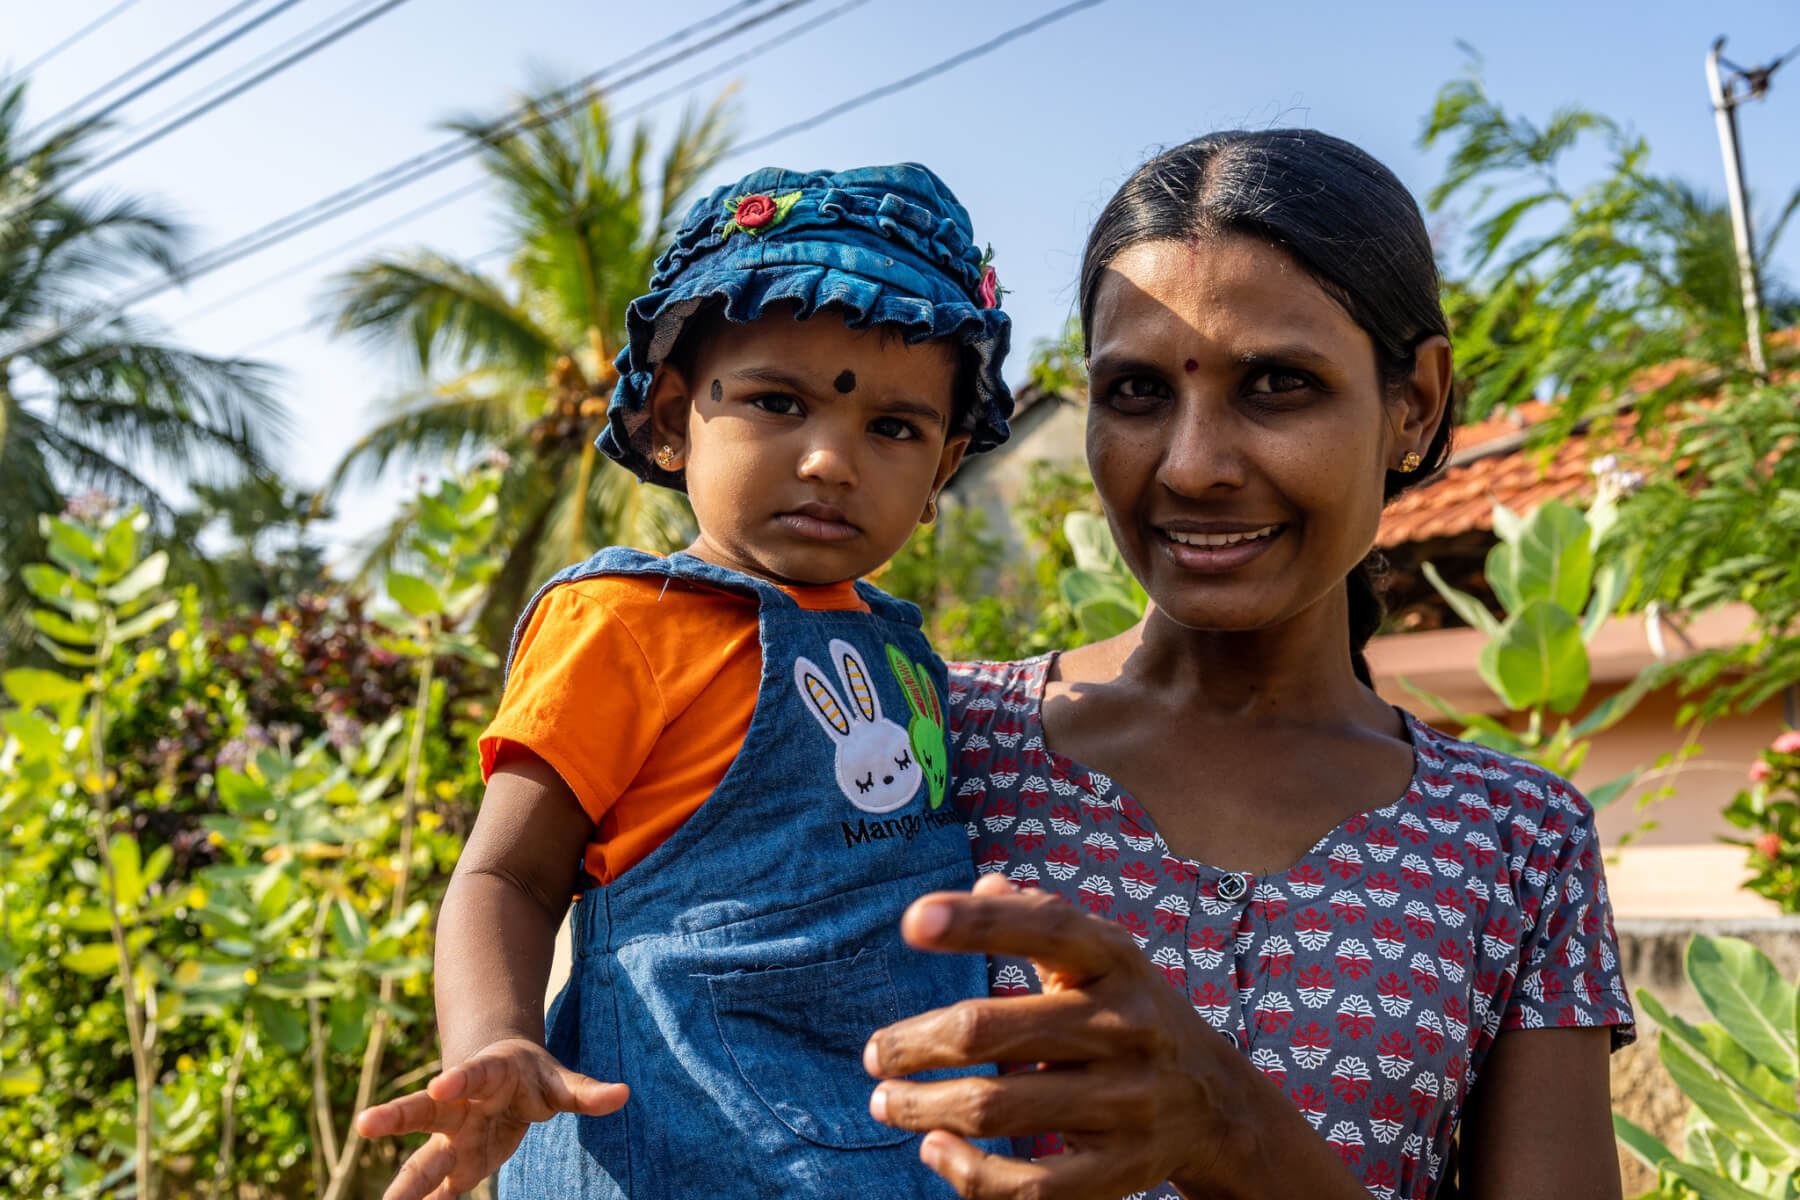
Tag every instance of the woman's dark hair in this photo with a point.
(1349, 223)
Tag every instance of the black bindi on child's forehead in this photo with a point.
(718, 392)
(845, 382)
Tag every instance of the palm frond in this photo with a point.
(445, 313)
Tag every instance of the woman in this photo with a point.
(1398, 933)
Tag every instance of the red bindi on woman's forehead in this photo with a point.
(1191, 366)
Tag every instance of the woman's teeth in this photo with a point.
(1221, 539)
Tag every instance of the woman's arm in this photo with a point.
(1141, 1087)
(1538, 1125)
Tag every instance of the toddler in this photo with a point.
(735, 755)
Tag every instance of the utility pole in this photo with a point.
(1725, 99)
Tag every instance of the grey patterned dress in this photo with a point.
(1370, 978)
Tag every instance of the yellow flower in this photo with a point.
(146, 661)
(288, 630)
(250, 976)
(215, 838)
(429, 820)
(178, 639)
(185, 1063)
(445, 790)
(214, 691)
(196, 898)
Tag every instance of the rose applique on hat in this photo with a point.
(756, 212)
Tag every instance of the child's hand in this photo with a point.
(477, 1114)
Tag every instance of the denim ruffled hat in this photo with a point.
(878, 245)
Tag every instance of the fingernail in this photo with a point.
(872, 1058)
(932, 920)
(878, 1105)
(929, 1153)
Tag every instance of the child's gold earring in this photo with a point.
(1411, 462)
(665, 457)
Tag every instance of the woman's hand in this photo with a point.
(1140, 1086)
(477, 1114)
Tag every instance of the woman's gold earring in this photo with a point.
(1411, 462)
(665, 457)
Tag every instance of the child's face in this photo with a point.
(811, 448)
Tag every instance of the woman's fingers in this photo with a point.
(568, 1091)
(1069, 946)
(977, 1175)
(1029, 1102)
(1068, 1027)
(425, 1172)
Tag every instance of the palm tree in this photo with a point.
(107, 404)
(523, 366)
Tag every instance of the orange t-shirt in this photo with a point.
(638, 691)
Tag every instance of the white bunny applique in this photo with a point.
(876, 770)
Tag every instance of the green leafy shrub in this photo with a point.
(1770, 811)
(1543, 571)
(1740, 1071)
(212, 930)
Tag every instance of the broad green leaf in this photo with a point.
(65, 629)
(141, 579)
(1745, 993)
(1508, 525)
(348, 1022)
(62, 590)
(348, 927)
(1709, 1185)
(1101, 619)
(1618, 706)
(1555, 560)
(1537, 659)
(147, 620)
(1610, 583)
(71, 539)
(281, 1022)
(21, 1079)
(95, 958)
(31, 687)
(62, 654)
(240, 793)
(1771, 1137)
(1471, 610)
(119, 546)
(1645, 1145)
(127, 871)
(1603, 794)
(1092, 543)
(414, 594)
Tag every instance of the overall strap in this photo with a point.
(891, 608)
(622, 560)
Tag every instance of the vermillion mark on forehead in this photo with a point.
(845, 383)
(1190, 366)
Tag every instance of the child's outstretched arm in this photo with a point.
(496, 937)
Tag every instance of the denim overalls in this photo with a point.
(733, 976)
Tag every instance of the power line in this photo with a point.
(525, 117)
(836, 110)
(145, 64)
(785, 37)
(192, 115)
(916, 78)
(57, 49)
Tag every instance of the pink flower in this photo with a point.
(990, 288)
(1769, 845)
(1760, 771)
(753, 212)
(1788, 743)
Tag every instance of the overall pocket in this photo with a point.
(796, 1035)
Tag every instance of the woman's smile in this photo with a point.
(1217, 549)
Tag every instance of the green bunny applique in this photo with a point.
(926, 729)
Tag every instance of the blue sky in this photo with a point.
(1033, 138)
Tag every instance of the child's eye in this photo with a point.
(895, 428)
(779, 403)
